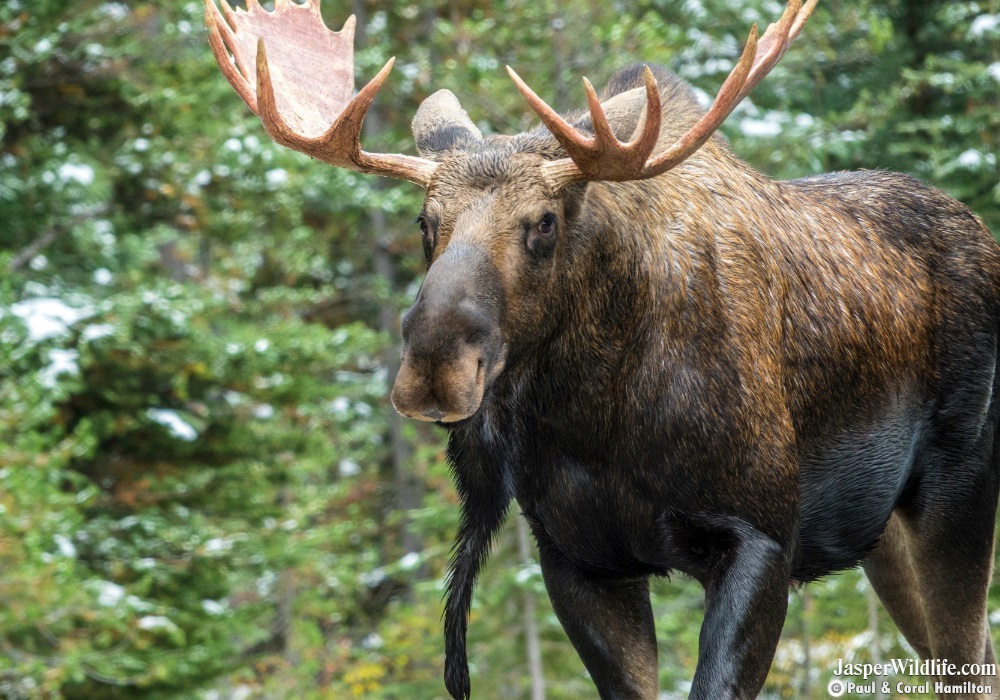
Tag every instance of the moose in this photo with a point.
(674, 363)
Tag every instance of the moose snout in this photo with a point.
(440, 391)
(452, 347)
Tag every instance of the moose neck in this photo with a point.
(646, 286)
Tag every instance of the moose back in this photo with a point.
(672, 362)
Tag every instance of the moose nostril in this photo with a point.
(434, 414)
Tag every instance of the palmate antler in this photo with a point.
(604, 157)
(313, 109)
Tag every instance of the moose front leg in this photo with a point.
(485, 493)
(746, 598)
(609, 622)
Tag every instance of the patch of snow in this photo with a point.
(340, 406)
(276, 177)
(994, 70)
(103, 276)
(704, 99)
(98, 330)
(218, 544)
(970, 159)
(348, 467)
(47, 317)
(114, 10)
(983, 24)
(372, 578)
(61, 361)
(66, 548)
(109, 594)
(758, 128)
(177, 426)
(155, 622)
(76, 172)
(852, 136)
(372, 641)
(213, 607)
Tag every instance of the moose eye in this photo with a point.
(427, 239)
(541, 238)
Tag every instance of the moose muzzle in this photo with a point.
(452, 344)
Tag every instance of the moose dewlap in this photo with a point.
(675, 363)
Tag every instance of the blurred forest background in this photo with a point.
(204, 492)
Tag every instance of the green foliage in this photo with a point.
(198, 480)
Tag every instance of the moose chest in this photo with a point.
(608, 515)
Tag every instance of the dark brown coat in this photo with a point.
(744, 380)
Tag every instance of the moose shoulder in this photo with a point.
(672, 362)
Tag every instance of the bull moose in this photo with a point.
(674, 363)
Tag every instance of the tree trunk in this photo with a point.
(876, 643)
(532, 641)
(805, 689)
(408, 490)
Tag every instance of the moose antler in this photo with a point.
(604, 157)
(312, 110)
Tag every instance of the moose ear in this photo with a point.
(441, 125)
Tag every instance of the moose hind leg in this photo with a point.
(891, 573)
(952, 537)
(609, 622)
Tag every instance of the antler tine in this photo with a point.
(602, 155)
(729, 95)
(220, 35)
(641, 146)
(311, 93)
(564, 132)
(601, 158)
(230, 13)
(776, 40)
(800, 20)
